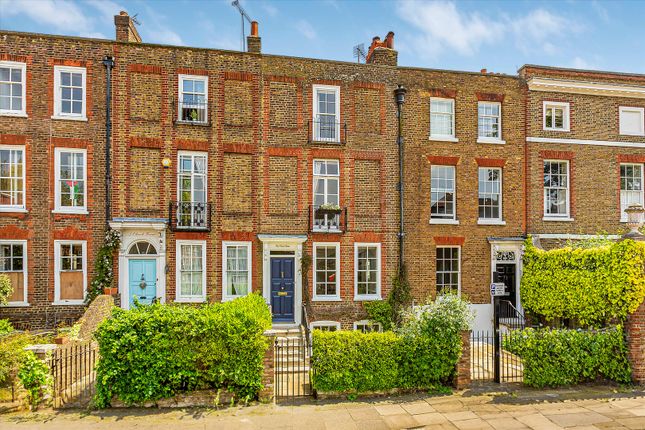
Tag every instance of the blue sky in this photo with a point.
(462, 35)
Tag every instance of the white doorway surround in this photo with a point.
(282, 244)
(133, 230)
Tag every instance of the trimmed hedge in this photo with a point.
(350, 361)
(156, 351)
(565, 357)
(594, 286)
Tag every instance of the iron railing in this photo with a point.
(192, 111)
(325, 129)
(189, 216)
(73, 370)
(292, 357)
(327, 221)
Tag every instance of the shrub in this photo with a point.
(34, 377)
(593, 286)
(431, 341)
(6, 289)
(422, 353)
(12, 353)
(380, 311)
(5, 327)
(153, 352)
(353, 362)
(564, 357)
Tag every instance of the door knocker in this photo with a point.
(143, 284)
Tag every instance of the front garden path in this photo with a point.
(587, 408)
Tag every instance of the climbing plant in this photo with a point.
(104, 264)
(400, 296)
(6, 290)
(593, 286)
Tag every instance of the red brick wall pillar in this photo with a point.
(268, 377)
(462, 378)
(636, 343)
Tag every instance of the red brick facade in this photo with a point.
(258, 140)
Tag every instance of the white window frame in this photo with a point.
(25, 271)
(326, 297)
(179, 298)
(443, 137)
(249, 248)
(436, 219)
(22, 207)
(318, 324)
(623, 215)
(376, 296)
(316, 129)
(458, 247)
(57, 271)
(192, 155)
(368, 322)
(180, 96)
(640, 111)
(557, 217)
(566, 120)
(23, 67)
(57, 190)
(484, 139)
(500, 219)
(326, 178)
(58, 114)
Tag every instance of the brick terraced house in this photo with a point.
(238, 172)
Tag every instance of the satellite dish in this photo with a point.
(359, 52)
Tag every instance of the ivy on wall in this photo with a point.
(593, 286)
(104, 265)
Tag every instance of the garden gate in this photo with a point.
(73, 369)
(489, 360)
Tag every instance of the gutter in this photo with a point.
(108, 62)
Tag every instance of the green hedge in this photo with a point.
(565, 357)
(592, 286)
(350, 361)
(153, 352)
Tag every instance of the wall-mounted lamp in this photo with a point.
(166, 162)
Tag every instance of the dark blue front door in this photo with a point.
(282, 288)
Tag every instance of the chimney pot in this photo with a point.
(254, 28)
(123, 13)
(483, 71)
(253, 40)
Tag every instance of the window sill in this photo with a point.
(367, 298)
(13, 210)
(326, 299)
(563, 130)
(197, 123)
(16, 305)
(444, 221)
(491, 141)
(326, 230)
(444, 139)
(481, 221)
(68, 212)
(14, 114)
(561, 219)
(231, 298)
(191, 300)
(69, 302)
(70, 118)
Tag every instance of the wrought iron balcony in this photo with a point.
(327, 220)
(327, 130)
(189, 216)
(192, 111)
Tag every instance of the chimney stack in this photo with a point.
(125, 28)
(253, 41)
(382, 53)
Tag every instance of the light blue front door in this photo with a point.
(143, 281)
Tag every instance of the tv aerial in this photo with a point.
(243, 16)
(359, 52)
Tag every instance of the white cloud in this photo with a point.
(106, 8)
(442, 26)
(61, 14)
(270, 9)
(601, 11)
(155, 29)
(305, 28)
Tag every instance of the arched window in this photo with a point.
(142, 248)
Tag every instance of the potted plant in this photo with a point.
(328, 209)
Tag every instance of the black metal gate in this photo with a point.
(490, 359)
(292, 357)
(73, 369)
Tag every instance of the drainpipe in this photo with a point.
(108, 62)
(399, 94)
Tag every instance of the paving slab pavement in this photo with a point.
(468, 410)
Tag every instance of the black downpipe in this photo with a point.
(108, 62)
(399, 94)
